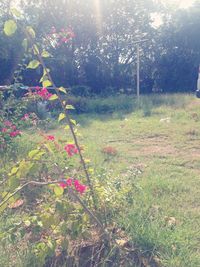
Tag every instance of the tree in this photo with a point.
(179, 48)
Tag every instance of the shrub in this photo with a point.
(80, 90)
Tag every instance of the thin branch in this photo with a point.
(69, 123)
(25, 185)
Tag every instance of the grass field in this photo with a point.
(158, 147)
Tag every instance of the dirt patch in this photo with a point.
(155, 145)
(193, 104)
(158, 150)
(191, 154)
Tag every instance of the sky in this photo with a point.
(180, 3)
(177, 3)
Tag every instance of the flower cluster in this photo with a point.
(74, 183)
(57, 38)
(43, 93)
(10, 129)
(15, 133)
(50, 137)
(71, 149)
(29, 119)
(25, 117)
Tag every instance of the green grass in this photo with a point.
(167, 153)
(162, 158)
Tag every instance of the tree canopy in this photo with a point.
(102, 54)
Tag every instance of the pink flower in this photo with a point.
(50, 137)
(8, 123)
(64, 40)
(79, 187)
(69, 182)
(43, 93)
(66, 183)
(25, 117)
(14, 127)
(4, 130)
(63, 185)
(71, 149)
(15, 133)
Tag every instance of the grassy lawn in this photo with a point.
(158, 150)
(165, 148)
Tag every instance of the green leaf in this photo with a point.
(39, 155)
(10, 27)
(45, 71)
(36, 50)
(32, 153)
(67, 127)
(24, 168)
(62, 89)
(46, 83)
(48, 148)
(30, 31)
(43, 78)
(15, 12)
(69, 107)
(53, 97)
(14, 170)
(45, 54)
(61, 116)
(33, 64)
(73, 122)
(58, 191)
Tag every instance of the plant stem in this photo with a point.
(70, 126)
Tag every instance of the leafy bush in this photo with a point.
(80, 90)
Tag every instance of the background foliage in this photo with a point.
(102, 56)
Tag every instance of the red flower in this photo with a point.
(66, 183)
(69, 182)
(15, 133)
(43, 93)
(4, 130)
(63, 185)
(71, 149)
(50, 137)
(79, 187)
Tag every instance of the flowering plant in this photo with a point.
(8, 131)
(68, 199)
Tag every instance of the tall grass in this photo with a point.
(128, 103)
